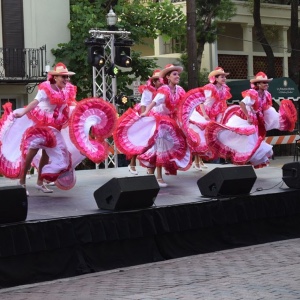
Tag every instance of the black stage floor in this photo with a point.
(65, 234)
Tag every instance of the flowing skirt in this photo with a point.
(235, 139)
(156, 140)
(91, 121)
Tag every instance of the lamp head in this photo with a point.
(111, 18)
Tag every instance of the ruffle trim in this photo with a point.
(287, 115)
(215, 94)
(100, 117)
(148, 87)
(67, 95)
(120, 135)
(56, 119)
(212, 131)
(159, 156)
(37, 137)
(253, 94)
(172, 102)
(6, 120)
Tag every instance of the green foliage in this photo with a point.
(209, 12)
(142, 21)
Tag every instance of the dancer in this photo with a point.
(199, 107)
(148, 92)
(164, 107)
(41, 127)
(241, 133)
(154, 135)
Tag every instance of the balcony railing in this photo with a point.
(25, 65)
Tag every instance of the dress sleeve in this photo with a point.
(159, 98)
(248, 101)
(41, 96)
(146, 98)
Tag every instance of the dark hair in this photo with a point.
(255, 84)
(51, 79)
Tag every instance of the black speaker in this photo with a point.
(291, 174)
(13, 204)
(228, 181)
(127, 193)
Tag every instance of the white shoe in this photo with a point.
(197, 166)
(132, 170)
(203, 165)
(161, 182)
(28, 176)
(43, 188)
(51, 183)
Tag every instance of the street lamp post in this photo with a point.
(104, 77)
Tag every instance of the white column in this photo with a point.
(248, 47)
(214, 55)
(285, 66)
(158, 46)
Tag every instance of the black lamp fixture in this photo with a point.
(112, 70)
(122, 55)
(96, 51)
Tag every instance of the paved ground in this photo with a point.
(267, 271)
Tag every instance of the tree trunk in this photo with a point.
(263, 41)
(295, 44)
(200, 50)
(193, 67)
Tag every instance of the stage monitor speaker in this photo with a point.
(291, 174)
(227, 181)
(127, 193)
(13, 204)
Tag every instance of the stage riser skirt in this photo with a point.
(45, 250)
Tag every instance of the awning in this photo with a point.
(280, 88)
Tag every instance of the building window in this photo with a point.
(175, 45)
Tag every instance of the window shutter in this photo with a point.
(13, 38)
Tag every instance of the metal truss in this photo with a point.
(104, 85)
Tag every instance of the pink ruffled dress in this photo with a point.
(192, 119)
(62, 128)
(157, 138)
(235, 139)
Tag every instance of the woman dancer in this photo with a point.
(240, 136)
(148, 92)
(199, 107)
(40, 125)
(165, 108)
(155, 135)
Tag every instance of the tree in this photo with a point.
(142, 21)
(192, 67)
(294, 66)
(209, 13)
(262, 39)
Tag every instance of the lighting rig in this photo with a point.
(108, 50)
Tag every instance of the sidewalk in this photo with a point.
(267, 271)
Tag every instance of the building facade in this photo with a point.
(29, 30)
(237, 49)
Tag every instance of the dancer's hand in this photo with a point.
(18, 115)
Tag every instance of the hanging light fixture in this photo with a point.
(111, 19)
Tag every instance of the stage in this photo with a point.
(66, 234)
